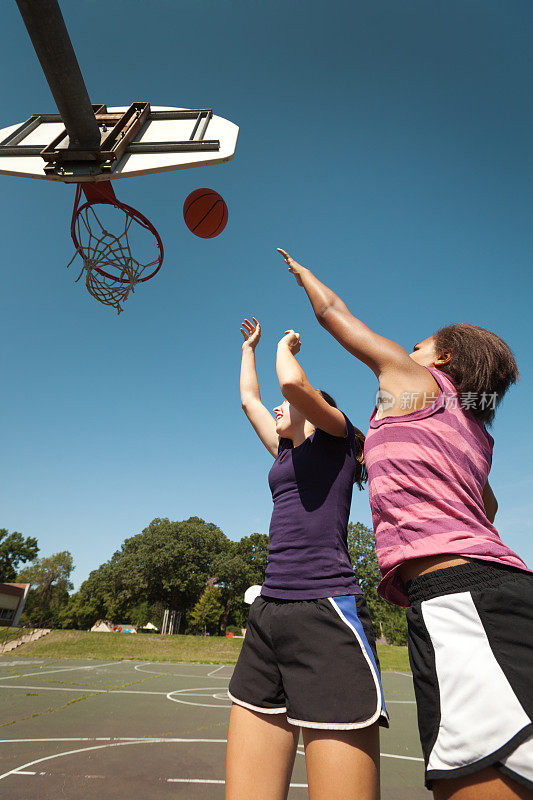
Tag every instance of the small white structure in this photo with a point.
(102, 626)
(149, 627)
(105, 626)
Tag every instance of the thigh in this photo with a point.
(487, 784)
(259, 756)
(342, 764)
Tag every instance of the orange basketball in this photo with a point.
(205, 213)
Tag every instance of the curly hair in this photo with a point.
(481, 364)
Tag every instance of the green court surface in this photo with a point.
(129, 729)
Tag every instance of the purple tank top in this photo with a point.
(311, 487)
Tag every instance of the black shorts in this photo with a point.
(471, 652)
(313, 660)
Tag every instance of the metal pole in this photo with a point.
(49, 35)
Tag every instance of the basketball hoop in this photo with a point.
(112, 265)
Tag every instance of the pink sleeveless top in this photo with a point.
(426, 474)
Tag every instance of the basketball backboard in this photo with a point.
(135, 140)
(91, 145)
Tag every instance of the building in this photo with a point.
(12, 602)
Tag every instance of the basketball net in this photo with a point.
(110, 267)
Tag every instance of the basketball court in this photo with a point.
(126, 728)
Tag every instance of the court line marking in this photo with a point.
(211, 674)
(101, 747)
(62, 669)
(187, 693)
(400, 702)
(193, 692)
(179, 674)
(395, 672)
(124, 742)
(199, 691)
(207, 780)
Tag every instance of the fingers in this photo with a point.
(249, 330)
(285, 255)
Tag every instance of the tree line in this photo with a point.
(189, 566)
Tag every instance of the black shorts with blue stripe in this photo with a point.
(313, 660)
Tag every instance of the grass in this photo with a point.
(8, 634)
(393, 657)
(154, 647)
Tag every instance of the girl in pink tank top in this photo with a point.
(428, 455)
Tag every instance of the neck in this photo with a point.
(302, 434)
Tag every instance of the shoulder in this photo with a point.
(348, 440)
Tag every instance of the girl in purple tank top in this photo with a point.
(309, 659)
(428, 455)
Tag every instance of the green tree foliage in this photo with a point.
(50, 584)
(77, 613)
(166, 566)
(362, 549)
(143, 613)
(207, 611)
(15, 550)
(242, 565)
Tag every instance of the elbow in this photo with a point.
(291, 388)
(321, 313)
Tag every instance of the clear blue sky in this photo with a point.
(385, 144)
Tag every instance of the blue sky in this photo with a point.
(387, 145)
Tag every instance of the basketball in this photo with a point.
(205, 213)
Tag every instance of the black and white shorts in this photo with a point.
(471, 652)
(313, 660)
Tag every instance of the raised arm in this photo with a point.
(332, 313)
(261, 419)
(298, 391)
(389, 361)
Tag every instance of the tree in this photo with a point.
(15, 550)
(143, 613)
(77, 613)
(362, 549)
(50, 583)
(242, 565)
(206, 613)
(165, 566)
(171, 562)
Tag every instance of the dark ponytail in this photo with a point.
(361, 476)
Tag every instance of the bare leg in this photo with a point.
(342, 764)
(259, 756)
(487, 784)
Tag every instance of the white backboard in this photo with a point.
(130, 164)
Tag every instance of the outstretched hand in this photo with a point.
(292, 340)
(251, 332)
(293, 265)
